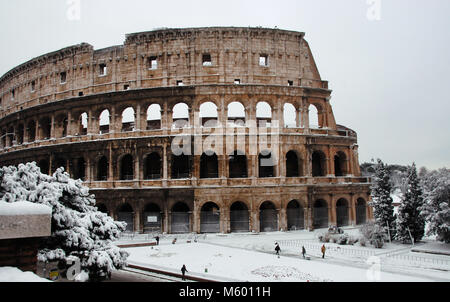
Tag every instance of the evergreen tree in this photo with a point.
(410, 219)
(382, 203)
(78, 228)
(436, 208)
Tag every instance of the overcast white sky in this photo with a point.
(389, 76)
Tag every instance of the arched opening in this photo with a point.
(239, 217)
(126, 168)
(318, 164)
(10, 135)
(295, 216)
(102, 169)
(152, 218)
(180, 116)
(102, 208)
(361, 210)
(340, 164)
(263, 114)
(79, 171)
(154, 117)
(342, 212)
(238, 165)
(31, 130)
(292, 164)
(20, 133)
(83, 124)
(59, 162)
(46, 127)
(313, 117)
(152, 166)
(104, 121)
(181, 166)
(126, 214)
(320, 214)
(180, 218)
(210, 218)
(289, 116)
(266, 164)
(128, 120)
(236, 114)
(208, 115)
(44, 166)
(209, 165)
(268, 217)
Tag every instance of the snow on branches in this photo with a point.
(78, 228)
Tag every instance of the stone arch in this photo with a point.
(239, 217)
(361, 211)
(264, 114)
(31, 131)
(20, 133)
(295, 215)
(236, 114)
(210, 218)
(237, 165)
(294, 164)
(79, 168)
(104, 121)
(125, 213)
(152, 218)
(102, 169)
(62, 123)
(208, 114)
(128, 119)
(318, 164)
(180, 218)
(289, 116)
(152, 166)
(268, 217)
(266, 164)
(83, 121)
(314, 118)
(180, 115)
(340, 164)
(320, 214)
(154, 117)
(209, 165)
(126, 167)
(181, 166)
(45, 125)
(342, 212)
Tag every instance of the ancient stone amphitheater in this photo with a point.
(219, 129)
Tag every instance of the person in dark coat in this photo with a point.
(183, 271)
(277, 249)
(323, 251)
(157, 240)
(303, 252)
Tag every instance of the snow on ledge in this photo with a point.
(13, 274)
(23, 208)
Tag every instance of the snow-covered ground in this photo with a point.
(13, 274)
(250, 257)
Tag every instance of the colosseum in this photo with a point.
(206, 130)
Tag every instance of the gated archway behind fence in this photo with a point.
(152, 218)
(268, 217)
(342, 212)
(180, 219)
(295, 216)
(126, 214)
(239, 217)
(210, 218)
(361, 211)
(320, 214)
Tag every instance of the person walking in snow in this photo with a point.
(277, 249)
(183, 271)
(157, 240)
(303, 252)
(323, 251)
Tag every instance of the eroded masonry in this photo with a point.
(190, 130)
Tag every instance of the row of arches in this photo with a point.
(182, 166)
(210, 215)
(57, 126)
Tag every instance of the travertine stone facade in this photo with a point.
(111, 117)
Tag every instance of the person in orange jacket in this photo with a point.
(323, 251)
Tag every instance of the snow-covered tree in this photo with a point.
(410, 220)
(436, 208)
(382, 203)
(78, 228)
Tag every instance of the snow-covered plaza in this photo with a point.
(251, 257)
